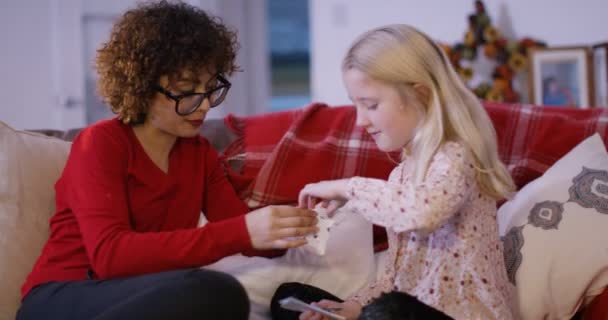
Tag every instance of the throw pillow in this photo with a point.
(30, 164)
(554, 233)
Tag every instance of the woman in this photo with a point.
(124, 240)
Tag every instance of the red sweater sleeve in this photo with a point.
(98, 197)
(221, 200)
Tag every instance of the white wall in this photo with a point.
(25, 73)
(43, 67)
(31, 95)
(335, 23)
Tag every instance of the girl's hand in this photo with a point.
(314, 193)
(331, 206)
(280, 227)
(349, 309)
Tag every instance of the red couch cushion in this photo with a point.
(532, 138)
(598, 308)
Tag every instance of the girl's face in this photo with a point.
(162, 115)
(381, 110)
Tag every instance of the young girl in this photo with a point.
(439, 203)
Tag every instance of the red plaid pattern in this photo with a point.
(287, 150)
(532, 138)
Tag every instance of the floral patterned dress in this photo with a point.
(444, 246)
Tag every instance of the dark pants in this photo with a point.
(301, 291)
(177, 295)
(394, 305)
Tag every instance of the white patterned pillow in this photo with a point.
(555, 233)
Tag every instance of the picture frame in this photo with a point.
(561, 76)
(600, 72)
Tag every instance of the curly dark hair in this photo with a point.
(157, 39)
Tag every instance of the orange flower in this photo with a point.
(469, 38)
(518, 62)
(465, 74)
(501, 85)
(490, 50)
(494, 96)
(490, 34)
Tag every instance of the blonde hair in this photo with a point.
(401, 56)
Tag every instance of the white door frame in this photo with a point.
(67, 70)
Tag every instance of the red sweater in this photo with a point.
(119, 215)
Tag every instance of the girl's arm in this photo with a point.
(425, 207)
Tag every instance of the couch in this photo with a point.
(270, 157)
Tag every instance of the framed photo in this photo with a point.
(600, 71)
(561, 77)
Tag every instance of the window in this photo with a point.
(289, 44)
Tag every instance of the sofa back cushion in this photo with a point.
(218, 134)
(532, 138)
(30, 163)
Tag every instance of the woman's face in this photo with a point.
(381, 110)
(161, 113)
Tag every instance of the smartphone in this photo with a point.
(295, 304)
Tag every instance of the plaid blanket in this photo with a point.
(532, 138)
(283, 151)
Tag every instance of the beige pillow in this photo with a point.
(30, 164)
(555, 234)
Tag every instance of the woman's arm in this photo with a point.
(221, 202)
(97, 194)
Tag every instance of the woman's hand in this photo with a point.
(280, 227)
(314, 193)
(349, 309)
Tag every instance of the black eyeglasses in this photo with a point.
(187, 103)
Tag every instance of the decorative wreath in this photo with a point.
(511, 56)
